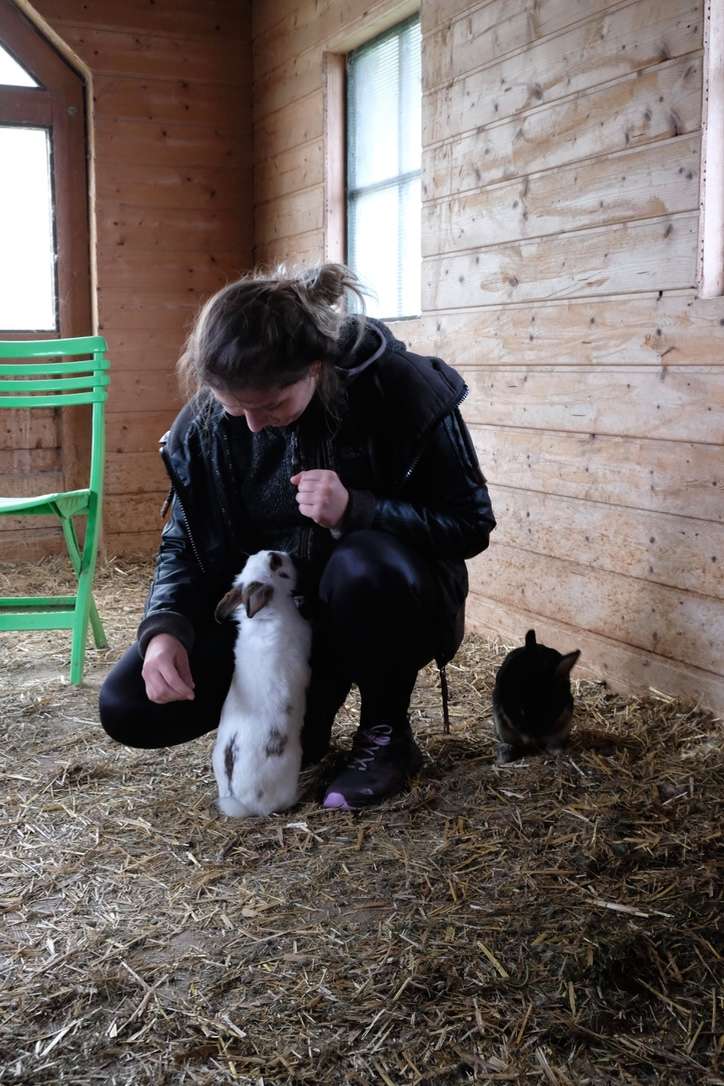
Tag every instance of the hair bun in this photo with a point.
(327, 283)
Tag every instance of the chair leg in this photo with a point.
(85, 608)
(99, 634)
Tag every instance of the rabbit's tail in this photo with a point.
(228, 805)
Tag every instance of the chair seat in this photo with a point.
(67, 503)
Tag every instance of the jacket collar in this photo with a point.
(357, 352)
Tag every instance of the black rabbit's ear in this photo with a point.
(566, 664)
(530, 639)
(256, 595)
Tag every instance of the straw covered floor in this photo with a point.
(554, 921)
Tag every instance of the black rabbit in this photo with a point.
(532, 700)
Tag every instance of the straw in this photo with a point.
(553, 921)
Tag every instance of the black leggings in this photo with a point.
(378, 602)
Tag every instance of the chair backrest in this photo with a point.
(42, 383)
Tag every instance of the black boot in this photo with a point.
(379, 765)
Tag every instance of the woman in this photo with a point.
(322, 436)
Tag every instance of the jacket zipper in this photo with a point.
(432, 425)
(325, 460)
(175, 486)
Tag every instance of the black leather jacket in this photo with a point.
(401, 449)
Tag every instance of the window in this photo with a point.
(711, 213)
(27, 259)
(13, 74)
(383, 169)
(44, 251)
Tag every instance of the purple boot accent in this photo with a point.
(336, 800)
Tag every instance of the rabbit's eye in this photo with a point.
(285, 576)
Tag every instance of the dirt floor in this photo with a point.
(555, 921)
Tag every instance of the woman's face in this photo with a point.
(270, 407)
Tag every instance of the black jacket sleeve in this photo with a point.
(444, 508)
(176, 587)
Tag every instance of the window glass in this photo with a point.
(27, 246)
(383, 169)
(12, 74)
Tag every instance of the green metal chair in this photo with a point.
(59, 384)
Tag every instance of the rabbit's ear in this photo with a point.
(228, 604)
(530, 639)
(566, 663)
(255, 596)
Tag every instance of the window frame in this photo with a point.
(57, 104)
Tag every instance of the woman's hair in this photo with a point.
(265, 331)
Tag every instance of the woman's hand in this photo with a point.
(166, 670)
(321, 496)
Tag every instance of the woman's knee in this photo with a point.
(121, 704)
(368, 563)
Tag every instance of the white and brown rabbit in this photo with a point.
(258, 752)
(532, 700)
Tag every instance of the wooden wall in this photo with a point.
(171, 144)
(561, 188)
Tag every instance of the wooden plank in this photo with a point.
(154, 389)
(680, 478)
(148, 185)
(624, 668)
(213, 59)
(141, 230)
(32, 483)
(133, 512)
(644, 329)
(298, 213)
(136, 544)
(606, 47)
(185, 18)
(136, 473)
(124, 314)
(684, 404)
(139, 432)
(443, 12)
(30, 544)
(167, 145)
(12, 526)
(656, 179)
(284, 71)
(266, 16)
(298, 76)
(28, 461)
(657, 254)
(169, 100)
(37, 429)
(297, 168)
(658, 103)
(159, 352)
(680, 552)
(339, 25)
(681, 626)
(298, 249)
(298, 123)
(186, 272)
(490, 31)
